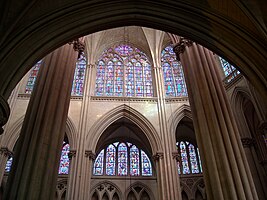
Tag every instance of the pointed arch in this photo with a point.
(106, 184)
(129, 113)
(14, 132)
(141, 185)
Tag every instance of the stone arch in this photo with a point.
(199, 185)
(143, 186)
(204, 24)
(105, 185)
(118, 113)
(176, 117)
(187, 190)
(14, 132)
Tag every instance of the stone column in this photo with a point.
(226, 171)
(158, 159)
(36, 160)
(4, 113)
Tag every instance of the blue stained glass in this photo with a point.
(8, 164)
(122, 159)
(110, 160)
(146, 165)
(200, 165)
(134, 161)
(130, 74)
(98, 165)
(229, 70)
(64, 159)
(184, 158)
(193, 159)
(32, 77)
(78, 81)
(172, 74)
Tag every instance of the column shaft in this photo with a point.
(226, 170)
(36, 160)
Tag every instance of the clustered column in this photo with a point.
(226, 170)
(36, 160)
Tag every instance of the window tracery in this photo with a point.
(173, 73)
(122, 159)
(190, 159)
(229, 70)
(79, 76)
(124, 71)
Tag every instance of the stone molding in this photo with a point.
(72, 154)
(157, 156)
(181, 45)
(247, 142)
(4, 113)
(176, 156)
(124, 99)
(5, 151)
(90, 154)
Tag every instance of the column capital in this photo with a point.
(91, 65)
(179, 47)
(263, 128)
(176, 156)
(157, 156)
(90, 154)
(4, 113)
(72, 154)
(78, 46)
(247, 142)
(6, 152)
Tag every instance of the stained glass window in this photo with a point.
(8, 164)
(146, 165)
(173, 74)
(32, 77)
(98, 167)
(122, 159)
(64, 159)
(110, 160)
(134, 161)
(229, 70)
(79, 75)
(124, 71)
(190, 158)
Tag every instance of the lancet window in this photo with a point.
(173, 74)
(32, 78)
(122, 159)
(124, 71)
(190, 162)
(229, 70)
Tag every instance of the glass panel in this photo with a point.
(200, 165)
(128, 72)
(64, 159)
(98, 165)
(134, 161)
(122, 159)
(146, 165)
(110, 160)
(32, 77)
(184, 158)
(229, 70)
(193, 159)
(172, 73)
(78, 81)
(8, 164)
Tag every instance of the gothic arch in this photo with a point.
(105, 183)
(204, 24)
(141, 185)
(177, 116)
(129, 113)
(14, 132)
(187, 190)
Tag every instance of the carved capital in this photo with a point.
(157, 156)
(263, 128)
(6, 152)
(247, 142)
(4, 113)
(176, 156)
(78, 46)
(72, 154)
(90, 154)
(180, 46)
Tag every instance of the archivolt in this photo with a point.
(118, 113)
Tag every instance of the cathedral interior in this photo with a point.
(114, 100)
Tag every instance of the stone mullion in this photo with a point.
(36, 160)
(215, 126)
